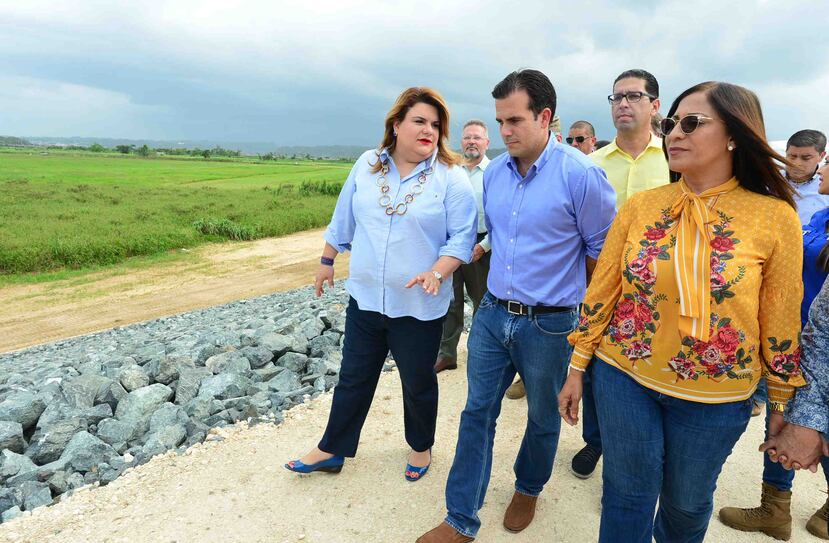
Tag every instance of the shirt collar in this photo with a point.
(655, 142)
(542, 159)
(480, 165)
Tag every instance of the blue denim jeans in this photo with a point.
(499, 345)
(589, 421)
(658, 447)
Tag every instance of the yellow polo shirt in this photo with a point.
(630, 175)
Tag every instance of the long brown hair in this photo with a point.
(755, 164)
(407, 99)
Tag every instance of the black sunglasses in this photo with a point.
(687, 124)
(577, 139)
(633, 97)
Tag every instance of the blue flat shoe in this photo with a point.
(414, 473)
(332, 465)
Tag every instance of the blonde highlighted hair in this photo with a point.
(407, 99)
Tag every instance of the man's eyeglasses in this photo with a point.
(577, 139)
(687, 124)
(633, 97)
(472, 138)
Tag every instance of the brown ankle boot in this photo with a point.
(520, 512)
(817, 524)
(772, 517)
(444, 534)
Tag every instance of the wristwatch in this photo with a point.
(777, 407)
(438, 276)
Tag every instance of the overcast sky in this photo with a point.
(320, 73)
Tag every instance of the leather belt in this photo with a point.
(517, 308)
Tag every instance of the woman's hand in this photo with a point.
(570, 396)
(427, 280)
(324, 274)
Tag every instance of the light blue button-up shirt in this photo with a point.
(541, 226)
(387, 251)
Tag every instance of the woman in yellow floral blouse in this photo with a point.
(696, 294)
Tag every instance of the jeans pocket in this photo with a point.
(555, 324)
(487, 301)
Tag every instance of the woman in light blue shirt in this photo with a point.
(408, 215)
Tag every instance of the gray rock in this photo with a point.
(165, 438)
(168, 415)
(320, 346)
(189, 382)
(48, 443)
(312, 327)
(230, 362)
(278, 344)
(139, 405)
(284, 382)
(58, 482)
(94, 415)
(22, 407)
(35, 494)
(267, 372)
(11, 514)
(112, 394)
(85, 451)
(294, 362)
(12, 464)
(148, 353)
(10, 498)
(113, 431)
(11, 436)
(74, 480)
(84, 390)
(257, 356)
(333, 362)
(133, 378)
(167, 369)
(224, 386)
(201, 407)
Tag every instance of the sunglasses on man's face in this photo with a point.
(687, 124)
(577, 139)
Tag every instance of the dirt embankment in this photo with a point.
(211, 275)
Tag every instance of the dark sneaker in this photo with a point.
(584, 463)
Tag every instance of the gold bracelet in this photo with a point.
(777, 407)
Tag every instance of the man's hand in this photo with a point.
(795, 447)
(324, 274)
(477, 252)
(776, 423)
(570, 396)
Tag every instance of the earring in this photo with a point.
(730, 147)
(395, 134)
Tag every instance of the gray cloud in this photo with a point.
(326, 72)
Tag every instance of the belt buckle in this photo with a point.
(511, 304)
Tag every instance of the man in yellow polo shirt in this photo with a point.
(634, 162)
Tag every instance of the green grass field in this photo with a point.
(67, 210)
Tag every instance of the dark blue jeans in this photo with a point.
(658, 447)
(499, 345)
(369, 336)
(589, 420)
(780, 477)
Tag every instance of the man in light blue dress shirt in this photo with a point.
(548, 209)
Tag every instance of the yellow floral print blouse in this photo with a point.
(631, 313)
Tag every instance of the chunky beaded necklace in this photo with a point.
(385, 199)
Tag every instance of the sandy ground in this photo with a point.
(213, 274)
(236, 490)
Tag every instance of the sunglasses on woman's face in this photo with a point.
(687, 124)
(577, 139)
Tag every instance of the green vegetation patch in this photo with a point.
(72, 211)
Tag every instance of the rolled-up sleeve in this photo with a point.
(340, 231)
(810, 406)
(595, 207)
(461, 217)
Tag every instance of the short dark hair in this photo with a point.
(808, 138)
(537, 85)
(586, 125)
(651, 84)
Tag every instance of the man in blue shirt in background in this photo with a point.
(548, 210)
